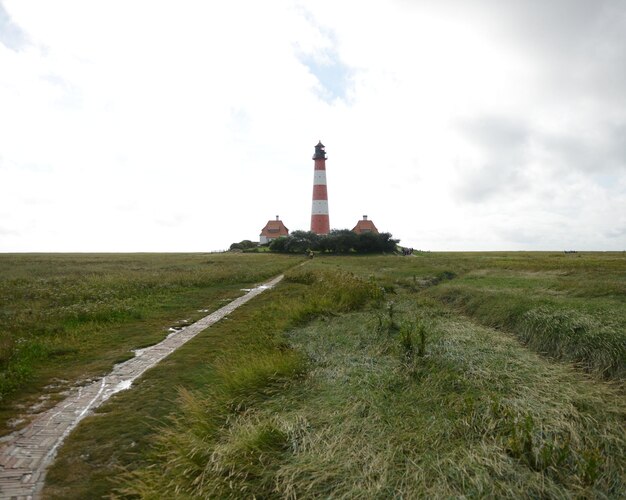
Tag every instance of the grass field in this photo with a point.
(66, 318)
(437, 375)
(569, 306)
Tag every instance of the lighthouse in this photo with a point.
(319, 213)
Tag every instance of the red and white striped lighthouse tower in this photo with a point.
(319, 213)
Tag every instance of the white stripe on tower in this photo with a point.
(319, 177)
(320, 207)
(319, 212)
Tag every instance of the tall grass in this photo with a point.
(592, 339)
(569, 306)
(218, 447)
(64, 315)
(331, 293)
(320, 389)
(575, 336)
(476, 415)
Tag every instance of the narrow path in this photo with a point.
(26, 454)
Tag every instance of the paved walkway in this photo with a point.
(26, 454)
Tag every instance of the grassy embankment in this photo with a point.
(65, 318)
(569, 306)
(315, 394)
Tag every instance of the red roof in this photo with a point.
(274, 229)
(365, 226)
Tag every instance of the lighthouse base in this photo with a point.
(320, 224)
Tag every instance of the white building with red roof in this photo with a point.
(365, 226)
(272, 230)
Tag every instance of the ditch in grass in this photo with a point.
(571, 307)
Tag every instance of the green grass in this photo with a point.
(475, 415)
(575, 314)
(233, 365)
(380, 377)
(469, 412)
(66, 318)
(569, 306)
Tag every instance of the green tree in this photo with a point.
(337, 241)
(340, 241)
(387, 243)
(244, 245)
(279, 244)
(301, 241)
(368, 243)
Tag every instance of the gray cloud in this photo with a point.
(499, 134)
(8, 232)
(616, 233)
(581, 43)
(509, 145)
(11, 35)
(603, 152)
(174, 220)
(504, 142)
(578, 44)
(560, 25)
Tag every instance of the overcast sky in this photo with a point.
(186, 125)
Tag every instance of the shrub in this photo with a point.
(339, 241)
(279, 245)
(243, 245)
(302, 241)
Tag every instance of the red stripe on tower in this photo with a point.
(320, 223)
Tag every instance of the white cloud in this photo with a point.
(187, 125)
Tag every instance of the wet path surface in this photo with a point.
(25, 455)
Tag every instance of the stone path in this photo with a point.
(25, 455)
